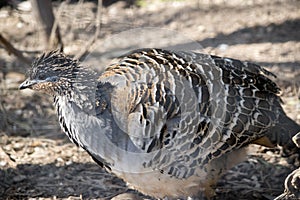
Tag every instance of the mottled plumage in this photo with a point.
(292, 181)
(169, 123)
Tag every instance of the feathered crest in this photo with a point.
(52, 61)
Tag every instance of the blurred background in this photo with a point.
(36, 158)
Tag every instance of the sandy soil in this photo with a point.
(37, 161)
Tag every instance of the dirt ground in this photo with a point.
(37, 161)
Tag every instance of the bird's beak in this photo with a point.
(27, 84)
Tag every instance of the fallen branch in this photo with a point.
(12, 50)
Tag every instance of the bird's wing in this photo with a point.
(196, 106)
(149, 95)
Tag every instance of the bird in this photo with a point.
(292, 186)
(292, 181)
(168, 122)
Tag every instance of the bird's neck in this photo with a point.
(98, 133)
(79, 88)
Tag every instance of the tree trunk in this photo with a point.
(43, 13)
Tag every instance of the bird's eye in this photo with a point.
(41, 76)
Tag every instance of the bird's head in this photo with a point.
(54, 73)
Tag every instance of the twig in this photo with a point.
(12, 50)
(81, 55)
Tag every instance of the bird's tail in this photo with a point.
(282, 134)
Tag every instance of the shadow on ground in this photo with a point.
(274, 33)
(254, 179)
(76, 179)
